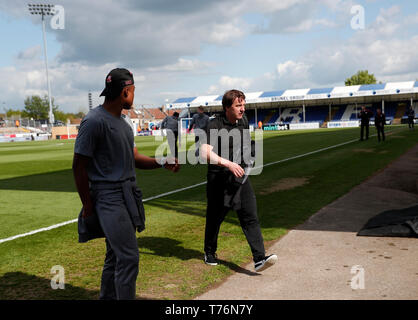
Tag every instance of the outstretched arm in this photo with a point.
(147, 163)
(206, 151)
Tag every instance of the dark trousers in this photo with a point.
(197, 145)
(380, 132)
(247, 215)
(173, 146)
(410, 122)
(364, 126)
(120, 268)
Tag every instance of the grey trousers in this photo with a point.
(120, 268)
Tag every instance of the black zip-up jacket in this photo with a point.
(365, 116)
(379, 120)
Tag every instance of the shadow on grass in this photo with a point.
(194, 208)
(59, 181)
(23, 286)
(166, 247)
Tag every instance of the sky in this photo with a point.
(187, 48)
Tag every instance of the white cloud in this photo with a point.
(380, 48)
(227, 83)
(226, 32)
(30, 53)
(292, 74)
(182, 65)
(231, 82)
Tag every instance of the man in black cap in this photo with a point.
(365, 116)
(379, 122)
(105, 157)
(228, 186)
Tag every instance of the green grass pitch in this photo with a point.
(37, 190)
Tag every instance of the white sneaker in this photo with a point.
(266, 262)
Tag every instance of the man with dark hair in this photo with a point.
(411, 117)
(199, 121)
(171, 124)
(226, 170)
(105, 157)
(379, 122)
(365, 116)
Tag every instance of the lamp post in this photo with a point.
(43, 10)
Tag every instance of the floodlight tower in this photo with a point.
(43, 10)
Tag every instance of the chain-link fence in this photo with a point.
(13, 129)
(29, 124)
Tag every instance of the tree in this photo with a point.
(60, 115)
(10, 113)
(361, 77)
(38, 108)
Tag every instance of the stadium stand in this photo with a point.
(316, 114)
(321, 113)
(321, 104)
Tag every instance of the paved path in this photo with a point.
(316, 258)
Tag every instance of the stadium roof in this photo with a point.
(344, 94)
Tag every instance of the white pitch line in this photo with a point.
(178, 190)
(38, 230)
(76, 220)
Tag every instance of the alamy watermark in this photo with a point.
(236, 143)
(358, 20)
(58, 18)
(58, 280)
(358, 280)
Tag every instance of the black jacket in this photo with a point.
(379, 120)
(365, 116)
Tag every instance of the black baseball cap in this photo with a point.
(116, 80)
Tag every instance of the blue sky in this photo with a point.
(188, 48)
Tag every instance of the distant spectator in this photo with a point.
(411, 117)
(172, 123)
(379, 122)
(365, 116)
(199, 121)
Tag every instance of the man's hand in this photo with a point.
(212, 157)
(87, 211)
(236, 169)
(172, 165)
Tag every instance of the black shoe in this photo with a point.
(210, 259)
(265, 263)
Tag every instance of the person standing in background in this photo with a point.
(172, 123)
(199, 121)
(411, 117)
(379, 122)
(365, 116)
